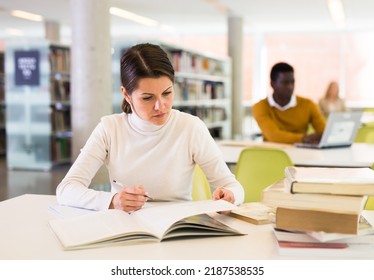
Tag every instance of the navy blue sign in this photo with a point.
(27, 68)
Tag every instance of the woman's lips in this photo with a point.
(159, 115)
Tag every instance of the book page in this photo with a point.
(62, 211)
(95, 227)
(199, 225)
(160, 218)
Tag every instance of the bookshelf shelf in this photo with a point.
(202, 85)
(38, 104)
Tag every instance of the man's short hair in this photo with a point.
(280, 67)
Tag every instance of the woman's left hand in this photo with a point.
(221, 193)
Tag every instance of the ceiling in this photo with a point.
(195, 16)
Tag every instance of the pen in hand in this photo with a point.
(122, 185)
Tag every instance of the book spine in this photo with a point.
(292, 187)
(288, 184)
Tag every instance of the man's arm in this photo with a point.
(317, 119)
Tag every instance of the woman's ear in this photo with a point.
(126, 95)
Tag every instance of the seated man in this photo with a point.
(284, 117)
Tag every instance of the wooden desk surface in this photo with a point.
(25, 234)
(358, 155)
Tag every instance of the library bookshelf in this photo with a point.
(202, 85)
(37, 82)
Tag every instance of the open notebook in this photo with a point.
(340, 131)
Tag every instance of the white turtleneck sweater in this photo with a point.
(136, 152)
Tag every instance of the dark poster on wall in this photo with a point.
(27, 68)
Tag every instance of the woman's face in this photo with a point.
(334, 90)
(152, 100)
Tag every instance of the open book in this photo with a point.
(155, 222)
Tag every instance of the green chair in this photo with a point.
(370, 202)
(258, 167)
(200, 185)
(365, 134)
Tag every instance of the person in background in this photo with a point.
(150, 148)
(284, 117)
(331, 101)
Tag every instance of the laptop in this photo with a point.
(340, 131)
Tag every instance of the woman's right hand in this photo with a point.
(129, 199)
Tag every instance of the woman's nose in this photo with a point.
(158, 104)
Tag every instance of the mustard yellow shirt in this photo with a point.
(288, 126)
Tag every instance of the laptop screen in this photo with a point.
(341, 128)
(341, 132)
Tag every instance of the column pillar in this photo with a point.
(52, 31)
(261, 78)
(235, 49)
(91, 87)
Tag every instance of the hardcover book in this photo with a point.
(314, 220)
(329, 180)
(365, 234)
(278, 195)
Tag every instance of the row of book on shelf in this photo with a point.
(59, 58)
(188, 89)
(317, 207)
(60, 89)
(193, 63)
(206, 114)
(60, 149)
(61, 118)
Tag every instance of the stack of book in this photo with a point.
(320, 244)
(324, 203)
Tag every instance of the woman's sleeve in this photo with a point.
(209, 157)
(73, 189)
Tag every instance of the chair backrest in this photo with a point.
(258, 167)
(365, 134)
(370, 202)
(200, 185)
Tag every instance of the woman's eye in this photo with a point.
(166, 93)
(147, 98)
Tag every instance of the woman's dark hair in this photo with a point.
(280, 67)
(143, 61)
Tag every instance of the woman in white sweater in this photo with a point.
(150, 147)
